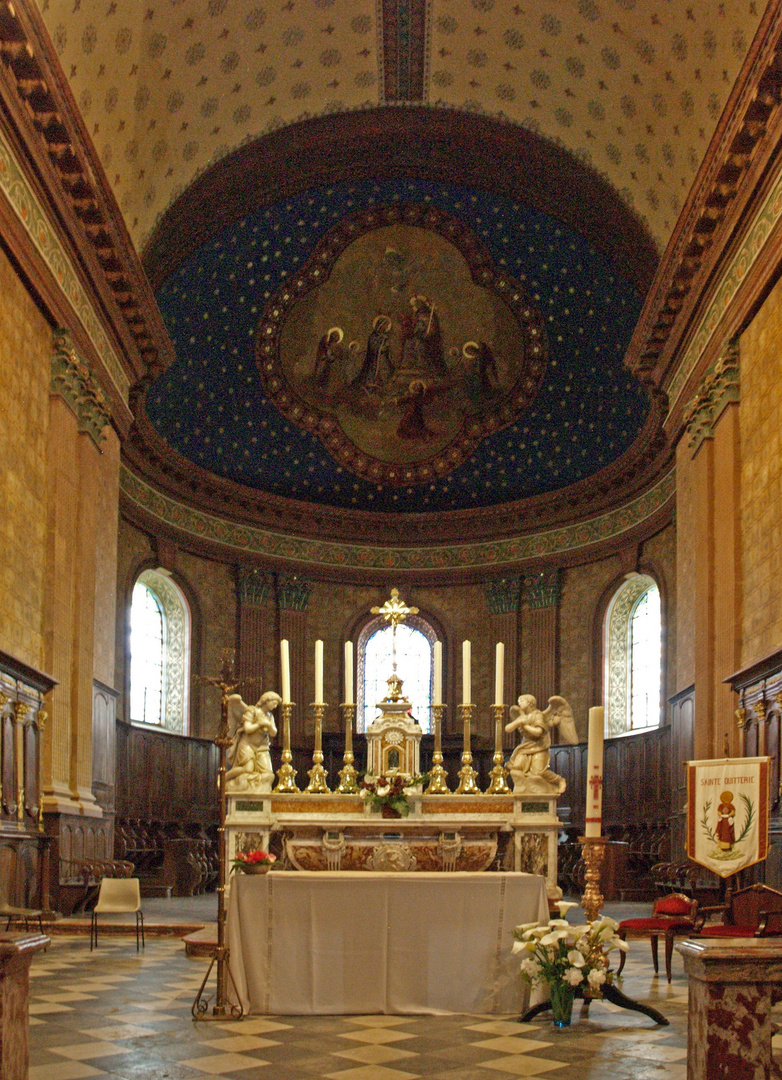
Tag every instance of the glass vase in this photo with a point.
(562, 998)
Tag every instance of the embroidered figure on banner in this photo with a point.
(723, 835)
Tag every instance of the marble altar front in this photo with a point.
(442, 833)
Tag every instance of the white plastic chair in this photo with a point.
(116, 896)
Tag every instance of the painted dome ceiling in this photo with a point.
(400, 248)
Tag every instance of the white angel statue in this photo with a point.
(252, 728)
(529, 762)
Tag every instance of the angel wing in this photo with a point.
(560, 715)
(235, 707)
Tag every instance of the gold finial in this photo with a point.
(394, 610)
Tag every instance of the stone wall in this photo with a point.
(335, 611)
(25, 348)
(761, 480)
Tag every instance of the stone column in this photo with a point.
(253, 589)
(541, 634)
(733, 987)
(77, 419)
(709, 553)
(293, 594)
(504, 599)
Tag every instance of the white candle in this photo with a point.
(594, 778)
(318, 672)
(466, 677)
(285, 660)
(499, 673)
(348, 672)
(438, 673)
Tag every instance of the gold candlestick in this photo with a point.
(286, 774)
(467, 775)
(438, 777)
(593, 852)
(348, 777)
(317, 774)
(499, 774)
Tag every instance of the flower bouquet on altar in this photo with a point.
(389, 794)
(253, 862)
(570, 960)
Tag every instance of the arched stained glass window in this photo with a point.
(633, 652)
(147, 656)
(159, 653)
(414, 640)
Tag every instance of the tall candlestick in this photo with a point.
(466, 674)
(349, 673)
(285, 661)
(594, 784)
(438, 673)
(499, 673)
(318, 672)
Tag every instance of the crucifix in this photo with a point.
(394, 611)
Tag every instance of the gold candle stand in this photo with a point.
(348, 777)
(317, 774)
(467, 775)
(438, 777)
(499, 774)
(286, 774)
(593, 854)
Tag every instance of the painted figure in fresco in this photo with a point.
(479, 370)
(248, 755)
(422, 339)
(377, 364)
(330, 352)
(726, 813)
(529, 762)
(412, 424)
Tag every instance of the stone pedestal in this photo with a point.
(16, 953)
(733, 986)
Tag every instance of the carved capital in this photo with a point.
(760, 711)
(542, 590)
(253, 585)
(720, 387)
(293, 592)
(73, 381)
(503, 595)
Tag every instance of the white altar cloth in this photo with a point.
(362, 942)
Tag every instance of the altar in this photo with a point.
(450, 832)
(358, 943)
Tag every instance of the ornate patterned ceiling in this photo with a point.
(238, 136)
(633, 88)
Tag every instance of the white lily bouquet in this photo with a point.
(569, 959)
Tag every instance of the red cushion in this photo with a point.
(728, 931)
(673, 905)
(655, 925)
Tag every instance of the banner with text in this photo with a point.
(727, 813)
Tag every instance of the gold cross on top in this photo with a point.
(395, 610)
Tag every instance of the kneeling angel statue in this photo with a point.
(529, 762)
(248, 756)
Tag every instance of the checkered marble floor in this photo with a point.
(122, 1016)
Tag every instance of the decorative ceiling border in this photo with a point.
(44, 109)
(36, 224)
(737, 272)
(746, 139)
(257, 542)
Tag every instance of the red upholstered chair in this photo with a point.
(755, 911)
(671, 915)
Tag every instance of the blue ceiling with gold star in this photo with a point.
(210, 405)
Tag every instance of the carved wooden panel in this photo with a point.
(164, 777)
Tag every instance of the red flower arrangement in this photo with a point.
(250, 862)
